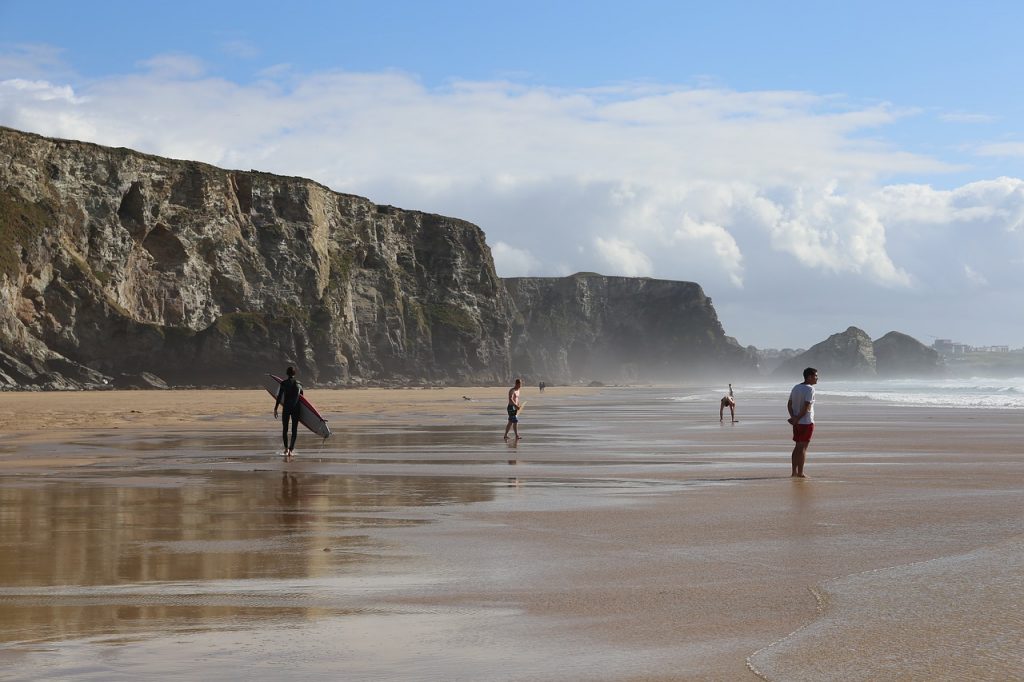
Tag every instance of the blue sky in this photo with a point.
(812, 165)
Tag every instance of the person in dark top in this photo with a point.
(288, 399)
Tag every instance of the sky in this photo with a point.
(812, 165)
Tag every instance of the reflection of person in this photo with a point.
(289, 490)
(288, 399)
(289, 500)
(513, 409)
(801, 416)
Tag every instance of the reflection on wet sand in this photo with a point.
(80, 557)
(627, 537)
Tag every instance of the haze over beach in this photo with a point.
(416, 205)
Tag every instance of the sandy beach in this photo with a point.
(628, 536)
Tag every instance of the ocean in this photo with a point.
(969, 393)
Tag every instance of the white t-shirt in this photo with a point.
(803, 393)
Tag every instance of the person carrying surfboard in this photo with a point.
(288, 399)
(513, 409)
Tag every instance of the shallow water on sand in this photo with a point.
(953, 618)
(404, 549)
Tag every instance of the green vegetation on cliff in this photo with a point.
(21, 222)
(455, 317)
(233, 324)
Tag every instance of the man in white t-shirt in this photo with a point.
(801, 416)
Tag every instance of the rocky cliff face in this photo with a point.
(124, 269)
(853, 355)
(592, 326)
(898, 355)
(114, 262)
(848, 354)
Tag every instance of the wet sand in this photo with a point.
(628, 536)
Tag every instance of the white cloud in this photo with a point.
(39, 91)
(715, 239)
(992, 204)
(623, 257)
(513, 262)
(838, 233)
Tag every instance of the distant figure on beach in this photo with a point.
(541, 386)
(801, 416)
(288, 399)
(513, 409)
(727, 401)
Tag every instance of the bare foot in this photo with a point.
(800, 476)
(506, 438)
(519, 437)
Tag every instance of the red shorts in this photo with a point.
(802, 433)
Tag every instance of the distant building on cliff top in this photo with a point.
(949, 347)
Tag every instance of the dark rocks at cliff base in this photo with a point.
(122, 269)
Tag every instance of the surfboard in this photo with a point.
(308, 415)
(522, 404)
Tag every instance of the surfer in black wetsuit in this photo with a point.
(288, 399)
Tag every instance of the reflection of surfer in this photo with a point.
(513, 409)
(289, 500)
(289, 491)
(288, 398)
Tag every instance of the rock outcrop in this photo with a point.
(848, 354)
(853, 355)
(899, 355)
(592, 326)
(124, 269)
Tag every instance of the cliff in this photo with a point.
(124, 269)
(117, 263)
(591, 326)
(853, 355)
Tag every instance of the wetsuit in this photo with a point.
(288, 397)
